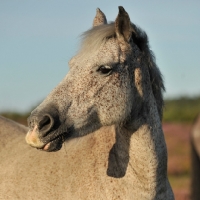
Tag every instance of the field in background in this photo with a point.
(178, 116)
(177, 137)
(182, 110)
(177, 123)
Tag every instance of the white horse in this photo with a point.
(195, 158)
(107, 112)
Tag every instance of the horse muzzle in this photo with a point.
(45, 132)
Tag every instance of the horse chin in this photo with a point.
(54, 145)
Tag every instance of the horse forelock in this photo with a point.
(98, 35)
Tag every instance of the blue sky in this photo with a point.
(37, 39)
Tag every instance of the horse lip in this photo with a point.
(60, 140)
(51, 142)
(44, 147)
(53, 145)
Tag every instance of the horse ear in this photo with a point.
(123, 27)
(100, 18)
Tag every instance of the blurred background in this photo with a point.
(37, 39)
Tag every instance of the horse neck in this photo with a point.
(148, 154)
(136, 158)
(140, 157)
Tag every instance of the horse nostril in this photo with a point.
(46, 123)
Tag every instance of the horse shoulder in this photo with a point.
(10, 132)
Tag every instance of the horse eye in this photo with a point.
(104, 69)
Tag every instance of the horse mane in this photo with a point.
(93, 39)
(140, 38)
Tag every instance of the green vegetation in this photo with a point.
(182, 110)
(18, 117)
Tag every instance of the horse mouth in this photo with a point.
(49, 143)
(54, 145)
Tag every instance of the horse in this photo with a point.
(195, 159)
(102, 125)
